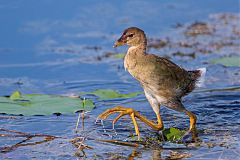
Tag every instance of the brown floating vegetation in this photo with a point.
(199, 28)
(221, 31)
(27, 137)
(158, 43)
(78, 142)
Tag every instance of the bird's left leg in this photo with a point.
(178, 106)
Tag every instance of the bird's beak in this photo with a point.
(121, 41)
(118, 43)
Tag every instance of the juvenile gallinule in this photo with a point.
(164, 82)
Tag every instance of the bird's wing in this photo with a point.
(163, 74)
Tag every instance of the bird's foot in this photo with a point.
(122, 112)
(191, 132)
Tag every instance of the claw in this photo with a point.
(102, 123)
(97, 120)
(113, 126)
(161, 133)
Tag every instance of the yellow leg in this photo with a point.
(160, 123)
(134, 114)
(193, 120)
(192, 127)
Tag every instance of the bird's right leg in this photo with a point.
(133, 114)
(192, 119)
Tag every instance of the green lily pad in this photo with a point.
(173, 134)
(106, 94)
(227, 61)
(41, 104)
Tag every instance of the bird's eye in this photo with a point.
(130, 35)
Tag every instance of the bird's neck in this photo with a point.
(138, 49)
(132, 56)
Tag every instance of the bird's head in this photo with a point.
(132, 36)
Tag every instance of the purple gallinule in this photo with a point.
(164, 82)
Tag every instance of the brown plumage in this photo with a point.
(164, 82)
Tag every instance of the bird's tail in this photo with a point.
(201, 78)
(198, 76)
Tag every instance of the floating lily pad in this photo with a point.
(105, 94)
(227, 61)
(173, 134)
(41, 104)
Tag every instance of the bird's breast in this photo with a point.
(130, 62)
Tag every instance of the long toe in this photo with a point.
(123, 111)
